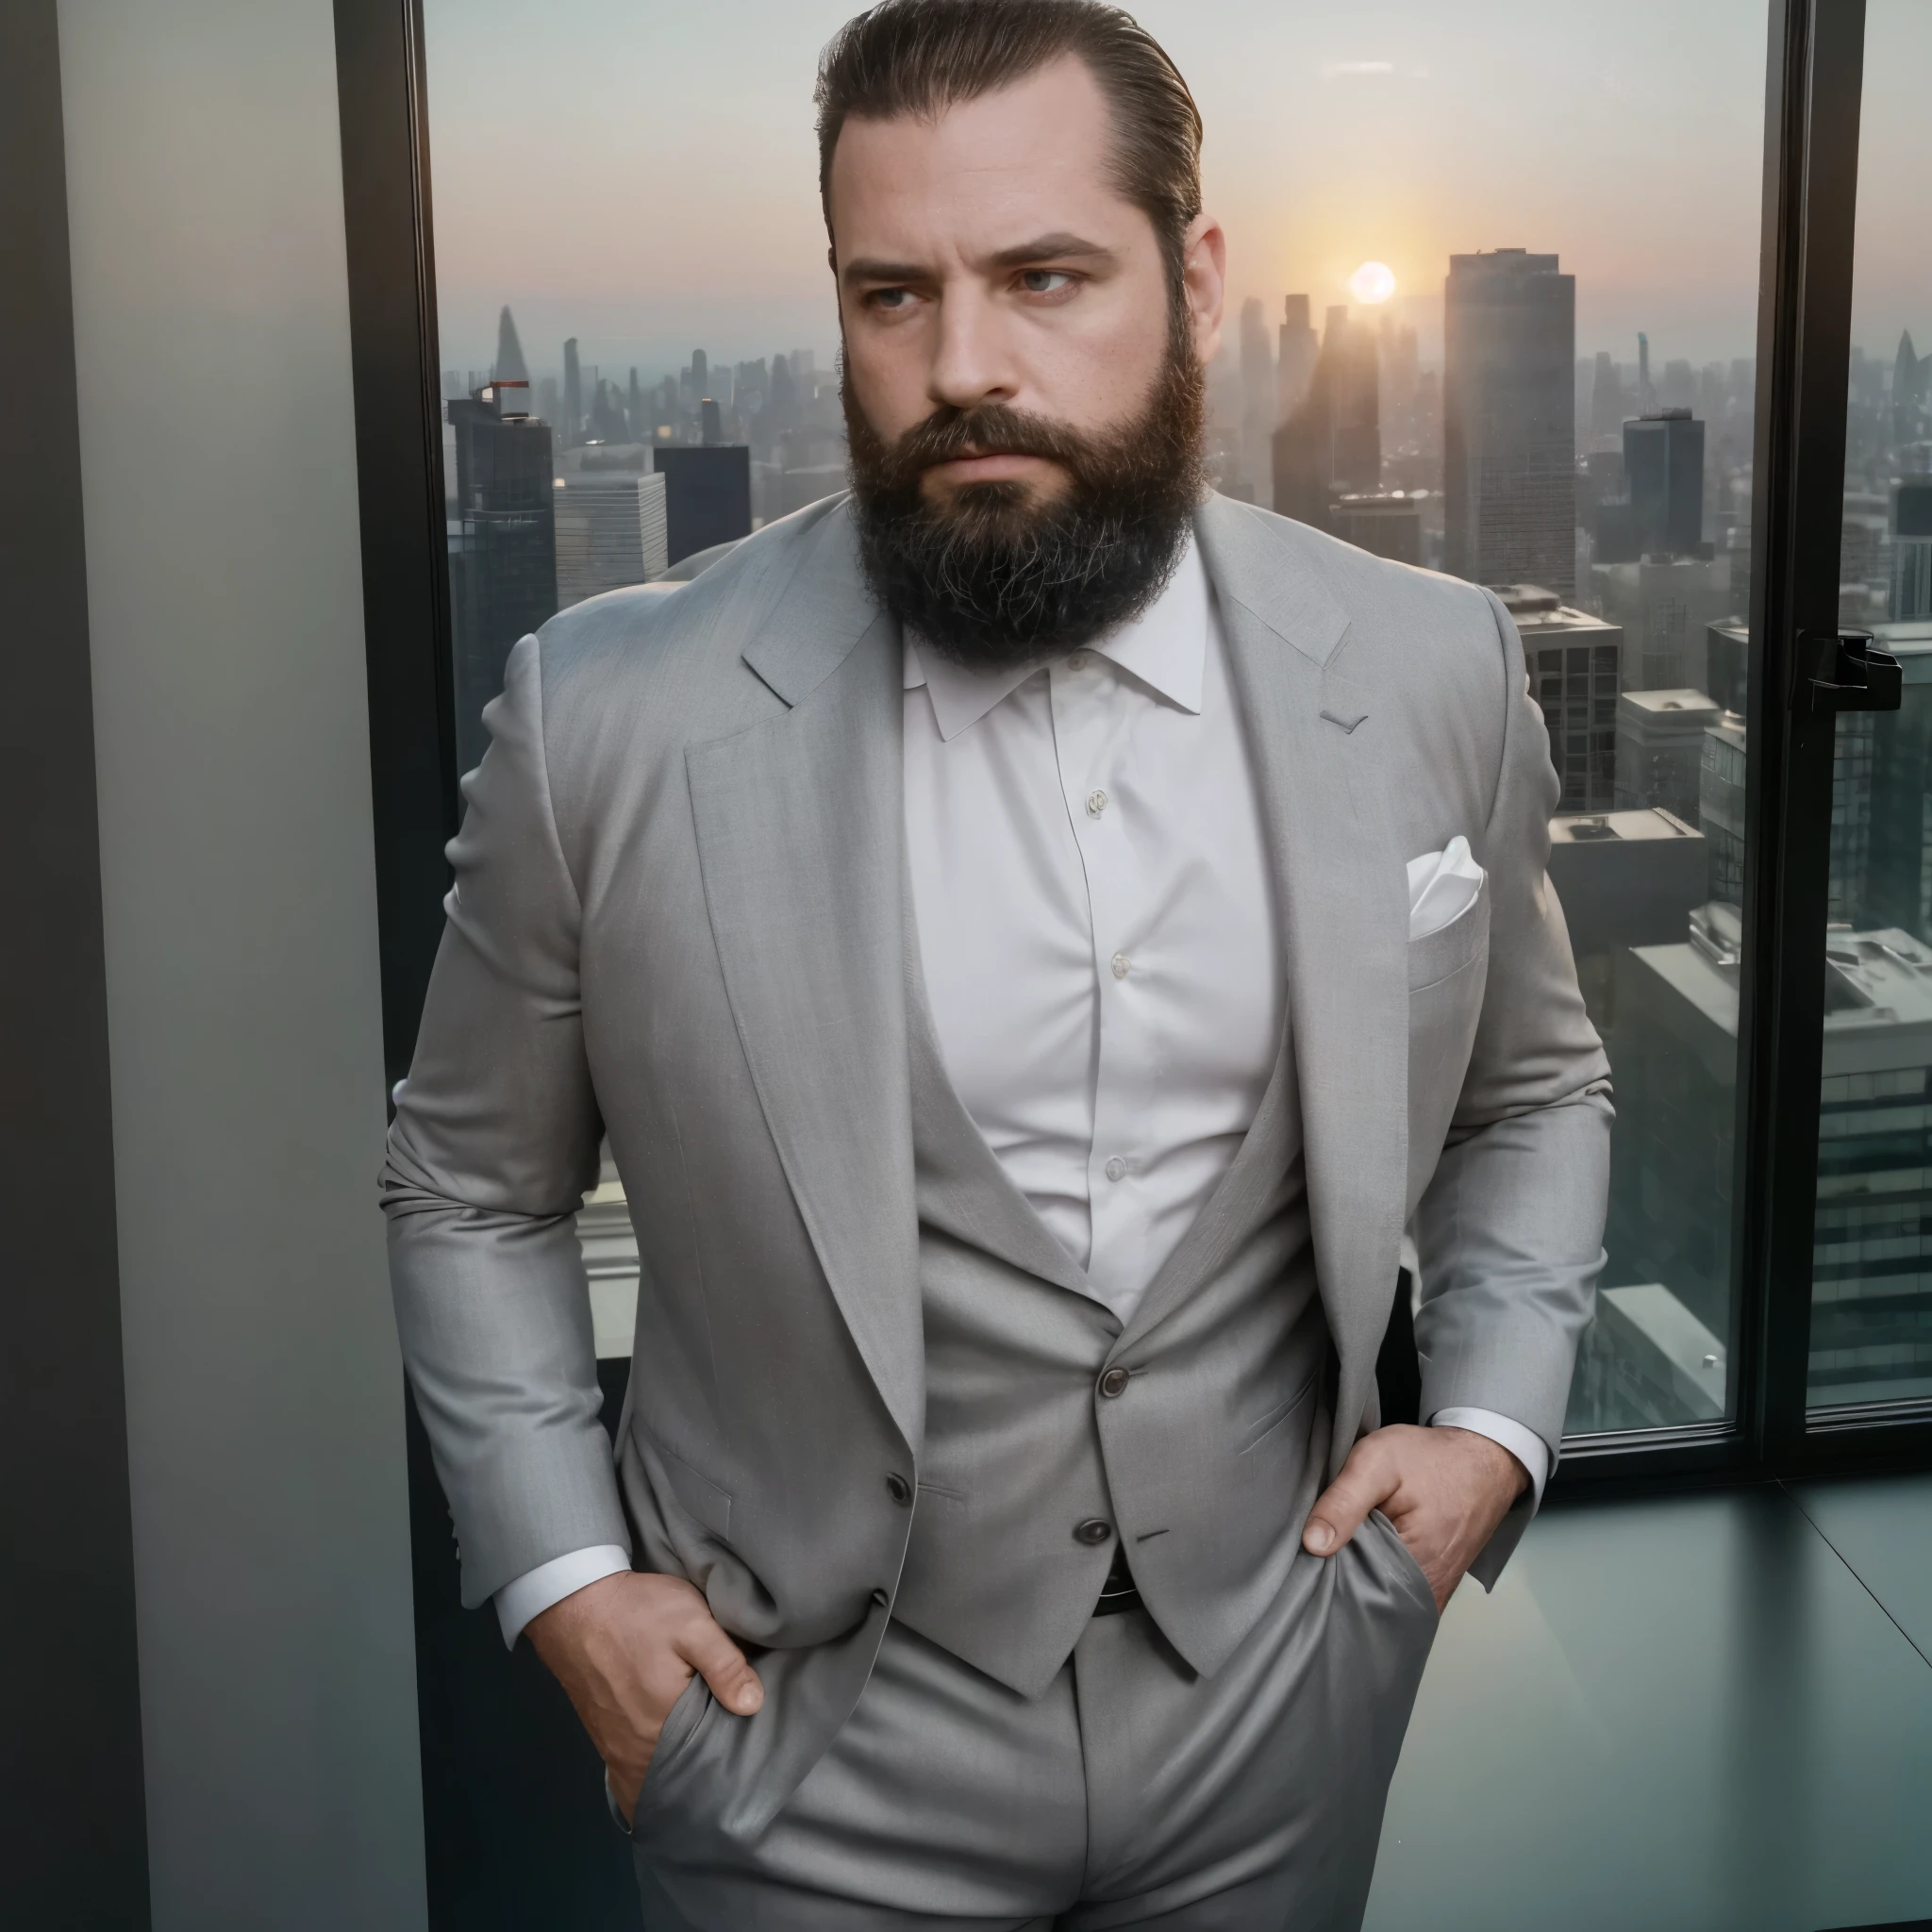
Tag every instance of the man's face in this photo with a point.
(989, 258)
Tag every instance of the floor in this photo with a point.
(1705, 1713)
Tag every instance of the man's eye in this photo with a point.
(1046, 281)
(891, 298)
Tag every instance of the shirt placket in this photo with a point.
(1090, 704)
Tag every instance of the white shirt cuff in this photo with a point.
(1524, 1444)
(533, 1592)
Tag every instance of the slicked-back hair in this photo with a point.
(918, 58)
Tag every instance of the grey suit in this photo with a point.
(679, 916)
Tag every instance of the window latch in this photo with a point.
(1852, 674)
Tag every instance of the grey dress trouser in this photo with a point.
(1131, 1792)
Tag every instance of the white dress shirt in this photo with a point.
(1102, 947)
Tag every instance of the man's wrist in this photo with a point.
(529, 1595)
(1524, 1444)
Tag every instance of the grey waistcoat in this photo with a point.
(1203, 1465)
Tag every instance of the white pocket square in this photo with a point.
(1442, 885)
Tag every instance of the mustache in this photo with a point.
(987, 429)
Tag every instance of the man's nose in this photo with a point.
(972, 359)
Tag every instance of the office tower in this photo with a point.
(783, 398)
(503, 550)
(700, 371)
(1607, 404)
(1912, 390)
(1625, 878)
(1647, 396)
(1898, 880)
(637, 413)
(1508, 420)
(1296, 365)
(1660, 737)
(606, 425)
(1678, 390)
(1871, 1246)
(1572, 661)
(1666, 605)
(707, 496)
(1331, 443)
(572, 424)
(1257, 400)
(1383, 523)
(1911, 550)
(611, 532)
(1726, 663)
(1864, 556)
(1663, 470)
(509, 365)
(1401, 383)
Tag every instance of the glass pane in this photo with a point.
(1450, 340)
(1871, 1248)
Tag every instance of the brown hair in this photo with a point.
(921, 57)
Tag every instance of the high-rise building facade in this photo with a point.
(1331, 442)
(707, 496)
(1663, 470)
(611, 532)
(502, 549)
(1911, 550)
(1508, 420)
(1573, 660)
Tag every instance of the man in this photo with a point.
(1034, 935)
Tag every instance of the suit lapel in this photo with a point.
(799, 832)
(1345, 911)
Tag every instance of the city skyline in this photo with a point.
(657, 188)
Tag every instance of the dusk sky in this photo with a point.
(643, 175)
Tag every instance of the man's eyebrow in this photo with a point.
(1059, 246)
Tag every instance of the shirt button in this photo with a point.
(1114, 1383)
(1116, 1169)
(898, 1488)
(1093, 1532)
(1097, 803)
(1121, 965)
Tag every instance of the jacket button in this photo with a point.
(898, 1488)
(1094, 1531)
(880, 1598)
(1114, 1382)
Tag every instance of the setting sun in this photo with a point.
(1372, 283)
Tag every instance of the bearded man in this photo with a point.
(1035, 934)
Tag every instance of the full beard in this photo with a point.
(992, 577)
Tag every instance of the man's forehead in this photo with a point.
(1020, 161)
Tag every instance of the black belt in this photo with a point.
(1117, 1593)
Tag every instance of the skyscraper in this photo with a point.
(1606, 405)
(1332, 441)
(611, 532)
(1663, 467)
(1257, 401)
(1573, 662)
(1508, 431)
(503, 550)
(1296, 365)
(510, 366)
(707, 496)
(572, 424)
(1911, 550)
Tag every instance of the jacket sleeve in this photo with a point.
(494, 1142)
(1509, 1231)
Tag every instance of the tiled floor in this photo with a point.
(1688, 1715)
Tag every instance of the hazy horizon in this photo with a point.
(645, 177)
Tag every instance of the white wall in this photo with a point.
(264, 1397)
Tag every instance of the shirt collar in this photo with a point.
(1165, 648)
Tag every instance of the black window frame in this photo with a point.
(1813, 87)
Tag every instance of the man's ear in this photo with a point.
(1204, 283)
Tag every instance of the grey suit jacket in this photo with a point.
(677, 918)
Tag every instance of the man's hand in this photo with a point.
(624, 1647)
(1444, 1490)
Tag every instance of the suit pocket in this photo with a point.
(1259, 1431)
(682, 1723)
(1450, 949)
